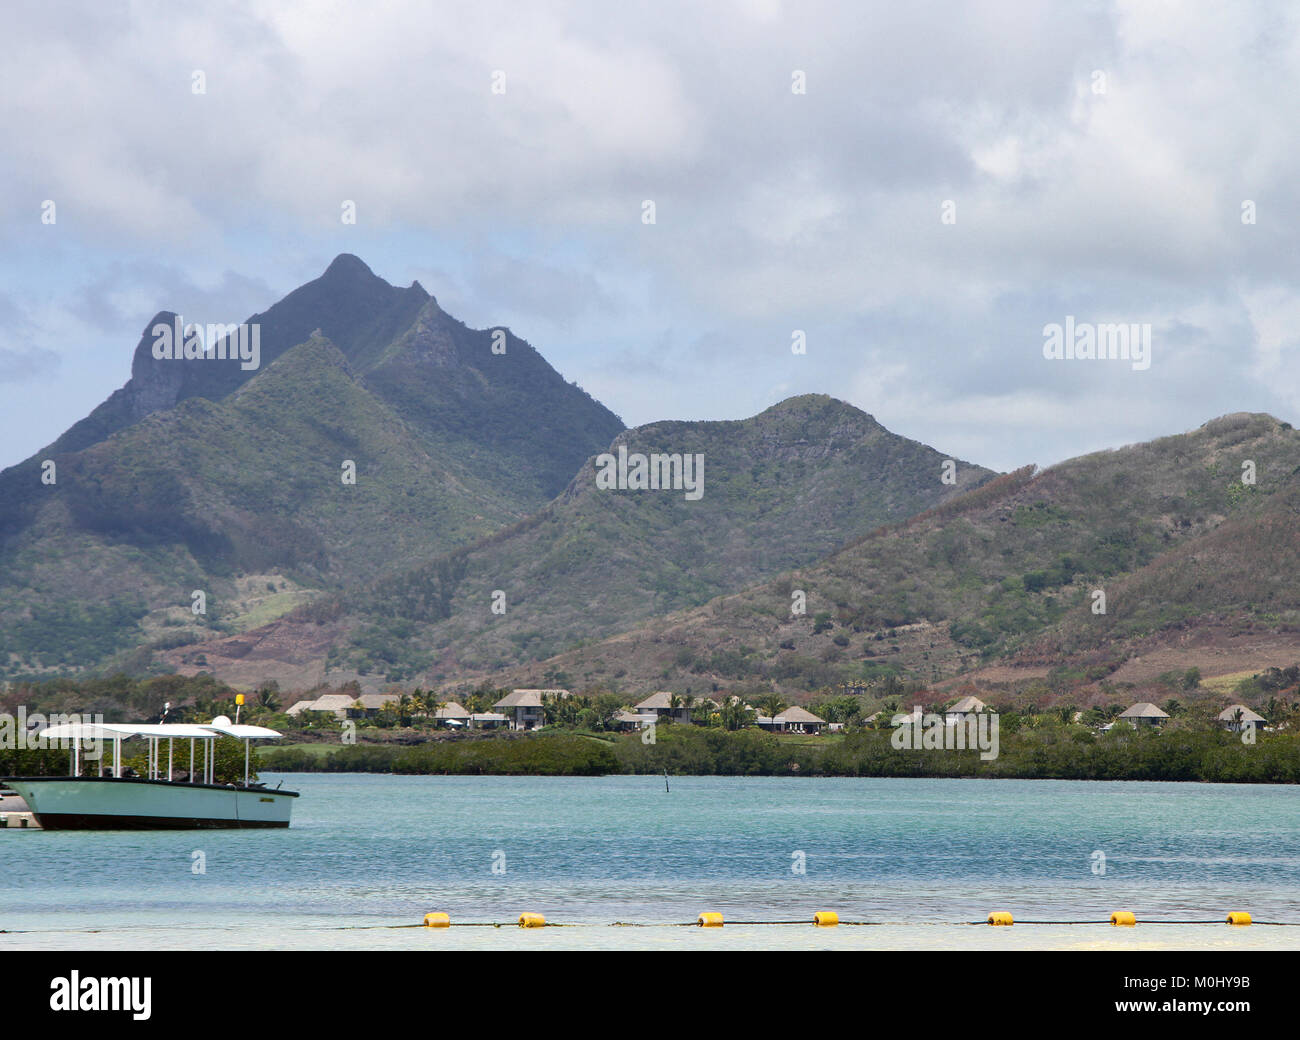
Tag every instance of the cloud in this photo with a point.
(20, 366)
(1098, 159)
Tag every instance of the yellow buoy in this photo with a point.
(1000, 917)
(437, 920)
(532, 921)
(709, 920)
(826, 918)
(1239, 917)
(1123, 917)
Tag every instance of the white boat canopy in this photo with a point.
(76, 733)
(244, 732)
(126, 730)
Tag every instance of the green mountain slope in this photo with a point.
(1166, 529)
(781, 489)
(198, 475)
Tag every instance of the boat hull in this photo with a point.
(110, 803)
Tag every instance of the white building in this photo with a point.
(525, 707)
(661, 705)
(335, 703)
(798, 720)
(1237, 717)
(1144, 714)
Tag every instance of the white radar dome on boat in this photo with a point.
(221, 720)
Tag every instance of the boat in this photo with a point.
(158, 801)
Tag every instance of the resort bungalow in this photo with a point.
(1237, 717)
(628, 722)
(966, 708)
(915, 717)
(337, 704)
(525, 707)
(798, 720)
(368, 705)
(661, 706)
(791, 720)
(1144, 714)
(488, 720)
(451, 714)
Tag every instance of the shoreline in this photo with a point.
(1059, 753)
(630, 936)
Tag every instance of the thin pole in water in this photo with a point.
(665, 781)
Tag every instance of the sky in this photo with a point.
(949, 181)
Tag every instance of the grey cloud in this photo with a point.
(26, 365)
(775, 211)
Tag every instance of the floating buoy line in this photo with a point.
(713, 919)
(821, 919)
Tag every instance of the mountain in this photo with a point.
(781, 489)
(203, 475)
(1000, 582)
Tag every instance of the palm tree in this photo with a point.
(771, 705)
(268, 696)
(1288, 713)
(419, 706)
(433, 703)
(735, 715)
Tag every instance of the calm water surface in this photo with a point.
(918, 858)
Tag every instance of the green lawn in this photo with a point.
(316, 750)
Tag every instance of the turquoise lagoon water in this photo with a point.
(920, 859)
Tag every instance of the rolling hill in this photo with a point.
(781, 489)
(1002, 579)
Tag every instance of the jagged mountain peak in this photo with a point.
(318, 450)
